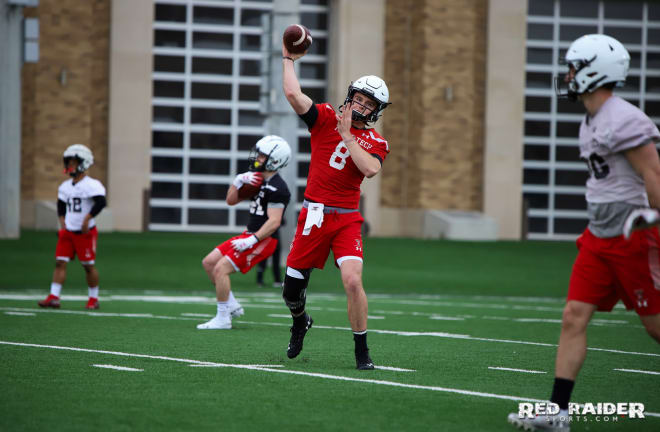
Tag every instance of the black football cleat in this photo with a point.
(297, 336)
(363, 361)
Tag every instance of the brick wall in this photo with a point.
(437, 144)
(74, 38)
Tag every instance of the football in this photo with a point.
(297, 38)
(248, 190)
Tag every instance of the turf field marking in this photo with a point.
(21, 313)
(121, 368)
(279, 315)
(218, 365)
(199, 315)
(446, 318)
(638, 371)
(516, 370)
(395, 369)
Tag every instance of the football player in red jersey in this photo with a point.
(344, 151)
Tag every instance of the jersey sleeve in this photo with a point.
(326, 115)
(380, 149)
(61, 192)
(95, 188)
(633, 131)
(280, 197)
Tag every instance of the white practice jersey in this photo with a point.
(79, 202)
(614, 187)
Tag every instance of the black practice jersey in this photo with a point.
(274, 193)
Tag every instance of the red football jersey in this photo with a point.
(334, 179)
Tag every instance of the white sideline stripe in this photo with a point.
(21, 313)
(391, 332)
(279, 315)
(515, 370)
(200, 315)
(378, 317)
(216, 365)
(395, 369)
(446, 318)
(638, 371)
(121, 368)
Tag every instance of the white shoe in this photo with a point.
(236, 310)
(217, 323)
(540, 423)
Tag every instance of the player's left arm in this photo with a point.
(644, 159)
(272, 223)
(366, 162)
(99, 204)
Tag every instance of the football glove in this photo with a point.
(640, 219)
(246, 178)
(244, 243)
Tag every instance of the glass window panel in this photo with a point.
(246, 142)
(319, 46)
(652, 108)
(537, 152)
(210, 141)
(304, 144)
(301, 195)
(162, 164)
(567, 106)
(168, 215)
(653, 10)
(539, 80)
(636, 59)
(536, 200)
(652, 60)
(625, 35)
(210, 116)
(567, 154)
(579, 9)
(539, 56)
(317, 94)
(248, 93)
(652, 84)
(242, 166)
(251, 17)
(217, 41)
(653, 36)
(175, 13)
(215, 66)
(537, 104)
(167, 139)
(540, 7)
(242, 217)
(303, 169)
(570, 202)
(314, 20)
(170, 38)
(623, 9)
(538, 224)
(537, 128)
(163, 63)
(569, 33)
(207, 191)
(570, 226)
(213, 15)
(209, 166)
(208, 216)
(539, 31)
(250, 68)
(571, 177)
(168, 89)
(167, 114)
(632, 84)
(250, 118)
(568, 129)
(165, 190)
(312, 71)
(211, 91)
(250, 42)
(535, 176)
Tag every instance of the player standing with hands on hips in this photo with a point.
(79, 200)
(617, 140)
(344, 152)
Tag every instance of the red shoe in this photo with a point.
(92, 303)
(51, 301)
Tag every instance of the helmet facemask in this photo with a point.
(73, 172)
(254, 164)
(358, 116)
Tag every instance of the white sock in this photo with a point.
(231, 299)
(94, 292)
(563, 413)
(223, 308)
(55, 289)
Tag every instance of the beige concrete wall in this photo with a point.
(505, 83)
(357, 48)
(130, 110)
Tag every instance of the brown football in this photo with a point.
(247, 191)
(297, 38)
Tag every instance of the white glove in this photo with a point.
(640, 219)
(244, 243)
(246, 178)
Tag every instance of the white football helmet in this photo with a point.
(598, 59)
(277, 151)
(80, 152)
(374, 88)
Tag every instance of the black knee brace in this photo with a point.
(294, 288)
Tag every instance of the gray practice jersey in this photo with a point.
(614, 188)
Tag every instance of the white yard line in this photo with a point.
(218, 365)
(394, 369)
(516, 370)
(121, 368)
(21, 313)
(638, 371)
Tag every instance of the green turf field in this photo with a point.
(462, 331)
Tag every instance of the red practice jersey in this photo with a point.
(334, 179)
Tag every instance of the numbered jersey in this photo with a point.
(79, 202)
(274, 193)
(334, 179)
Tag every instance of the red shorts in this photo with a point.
(607, 270)
(340, 232)
(244, 261)
(70, 244)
